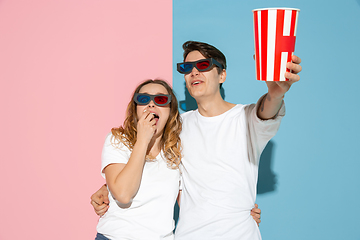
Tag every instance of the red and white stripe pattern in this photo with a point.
(274, 35)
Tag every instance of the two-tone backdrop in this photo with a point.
(67, 71)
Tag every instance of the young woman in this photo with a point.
(140, 163)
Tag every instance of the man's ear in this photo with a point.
(222, 76)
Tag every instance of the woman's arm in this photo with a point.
(122, 179)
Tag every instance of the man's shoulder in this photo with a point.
(238, 108)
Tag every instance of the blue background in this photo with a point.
(309, 185)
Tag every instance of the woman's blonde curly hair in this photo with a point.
(170, 142)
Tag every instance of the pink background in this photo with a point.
(67, 71)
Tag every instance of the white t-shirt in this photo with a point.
(150, 215)
(219, 173)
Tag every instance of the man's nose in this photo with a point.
(194, 71)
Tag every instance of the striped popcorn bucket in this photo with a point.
(274, 38)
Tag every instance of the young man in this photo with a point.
(222, 143)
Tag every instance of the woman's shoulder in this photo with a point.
(115, 142)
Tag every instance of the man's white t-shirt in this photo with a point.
(150, 215)
(219, 173)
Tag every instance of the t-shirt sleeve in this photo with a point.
(260, 131)
(113, 152)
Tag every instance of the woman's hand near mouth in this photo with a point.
(146, 126)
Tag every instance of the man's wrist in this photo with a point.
(271, 97)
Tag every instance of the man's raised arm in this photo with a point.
(272, 102)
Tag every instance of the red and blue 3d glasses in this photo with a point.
(158, 99)
(201, 65)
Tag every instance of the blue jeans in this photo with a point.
(99, 236)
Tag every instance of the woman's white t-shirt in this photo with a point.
(150, 215)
